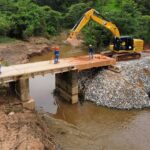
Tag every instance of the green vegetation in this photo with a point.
(24, 18)
(6, 39)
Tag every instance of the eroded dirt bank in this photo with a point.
(21, 51)
(21, 129)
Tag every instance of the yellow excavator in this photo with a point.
(123, 47)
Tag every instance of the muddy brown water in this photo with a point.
(110, 128)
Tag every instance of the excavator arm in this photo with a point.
(86, 18)
(109, 25)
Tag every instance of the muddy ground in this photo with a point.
(21, 129)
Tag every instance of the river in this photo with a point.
(110, 128)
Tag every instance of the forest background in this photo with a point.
(22, 19)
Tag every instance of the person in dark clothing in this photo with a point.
(91, 52)
(56, 54)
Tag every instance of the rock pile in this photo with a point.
(125, 90)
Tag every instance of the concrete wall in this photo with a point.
(21, 89)
(67, 86)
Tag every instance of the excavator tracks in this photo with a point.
(122, 56)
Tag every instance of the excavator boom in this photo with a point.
(109, 25)
(85, 19)
(77, 28)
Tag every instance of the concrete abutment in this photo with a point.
(67, 85)
(66, 75)
(21, 89)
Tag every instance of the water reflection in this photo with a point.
(65, 51)
(41, 89)
(89, 112)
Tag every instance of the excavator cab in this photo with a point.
(123, 43)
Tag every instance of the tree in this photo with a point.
(144, 28)
(144, 6)
(25, 18)
(58, 5)
(74, 14)
(31, 20)
(5, 24)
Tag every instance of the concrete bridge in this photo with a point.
(65, 73)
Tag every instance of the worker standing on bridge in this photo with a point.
(57, 54)
(91, 51)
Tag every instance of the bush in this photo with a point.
(74, 14)
(25, 18)
(29, 19)
(53, 20)
(126, 17)
(144, 28)
(5, 25)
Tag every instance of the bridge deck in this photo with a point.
(12, 73)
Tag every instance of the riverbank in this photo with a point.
(21, 51)
(22, 129)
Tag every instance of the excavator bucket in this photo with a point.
(74, 42)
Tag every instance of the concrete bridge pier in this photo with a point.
(67, 86)
(21, 90)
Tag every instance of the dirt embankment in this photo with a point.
(22, 129)
(21, 51)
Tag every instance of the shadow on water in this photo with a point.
(41, 89)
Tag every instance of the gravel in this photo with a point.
(125, 90)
